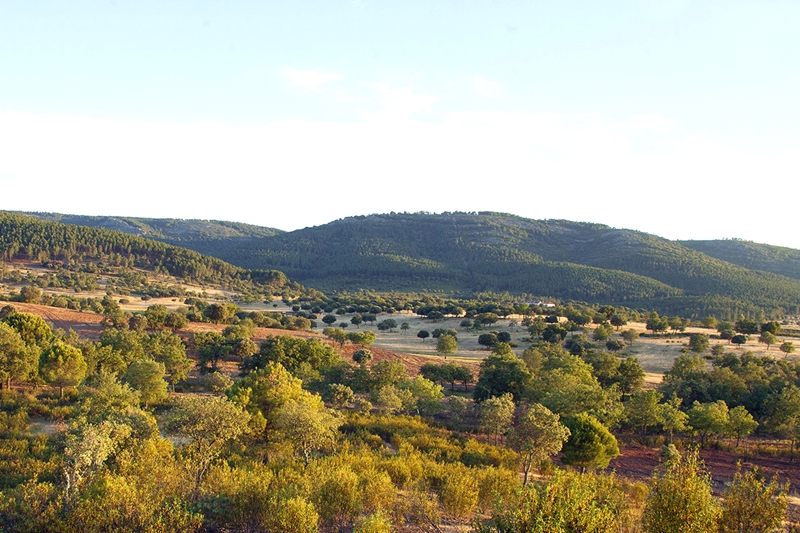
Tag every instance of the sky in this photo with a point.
(677, 118)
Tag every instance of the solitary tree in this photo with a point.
(501, 373)
(147, 377)
(630, 375)
(362, 356)
(618, 321)
(740, 423)
(767, 338)
(603, 332)
(726, 330)
(206, 424)
(487, 339)
(657, 324)
(708, 419)
(698, 342)
(746, 326)
(671, 417)
(615, 345)
(642, 409)
(590, 444)
(446, 344)
(495, 415)
(787, 348)
(308, 425)
(538, 435)
(62, 365)
(630, 335)
(340, 395)
(423, 334)
(17, 361)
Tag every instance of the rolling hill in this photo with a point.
(752, 255)
(209, 237)
(464, 253)
(500, 252)
(81, 247)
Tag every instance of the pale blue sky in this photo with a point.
(674, 117)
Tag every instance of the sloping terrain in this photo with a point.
(209, 237)
(498, 252)
(465, 253)
(752, 255)
(80, 247)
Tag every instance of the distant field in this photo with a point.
(656, 354)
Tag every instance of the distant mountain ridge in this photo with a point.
(209, 237)
(28, 238)
(752, 255)
(472, 252)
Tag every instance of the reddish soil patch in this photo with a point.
(637, 463)
(86, 325)
(411, 362)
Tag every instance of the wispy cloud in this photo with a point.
(309, 80)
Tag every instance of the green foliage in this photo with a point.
(147, 377)
(590, 444)
(18, 361)
(362, 356)
(495, 415)
(206, 424)
(502, 372)
(62, 365)
(740, 423)
(709, 419)
(470, 252)
(308, 425)
(32, 328)
(447, 344)
(752, 504)
(305, 358)
(569, 501)
(23, 237)
(537, 435)
(680, 499)
(263, 392)
(698, 342)
(643, 410)
(340, 395)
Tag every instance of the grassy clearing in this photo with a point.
(656, 354)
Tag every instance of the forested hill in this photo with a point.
(209, 237)
(775, 259)
(468, 252)
(26, 238)
(499, 252)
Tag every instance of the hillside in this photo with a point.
(492, 251)
(752, 255)
(464, 253)
(81, 248)
(209, 237)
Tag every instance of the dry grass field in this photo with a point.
(656, 354)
